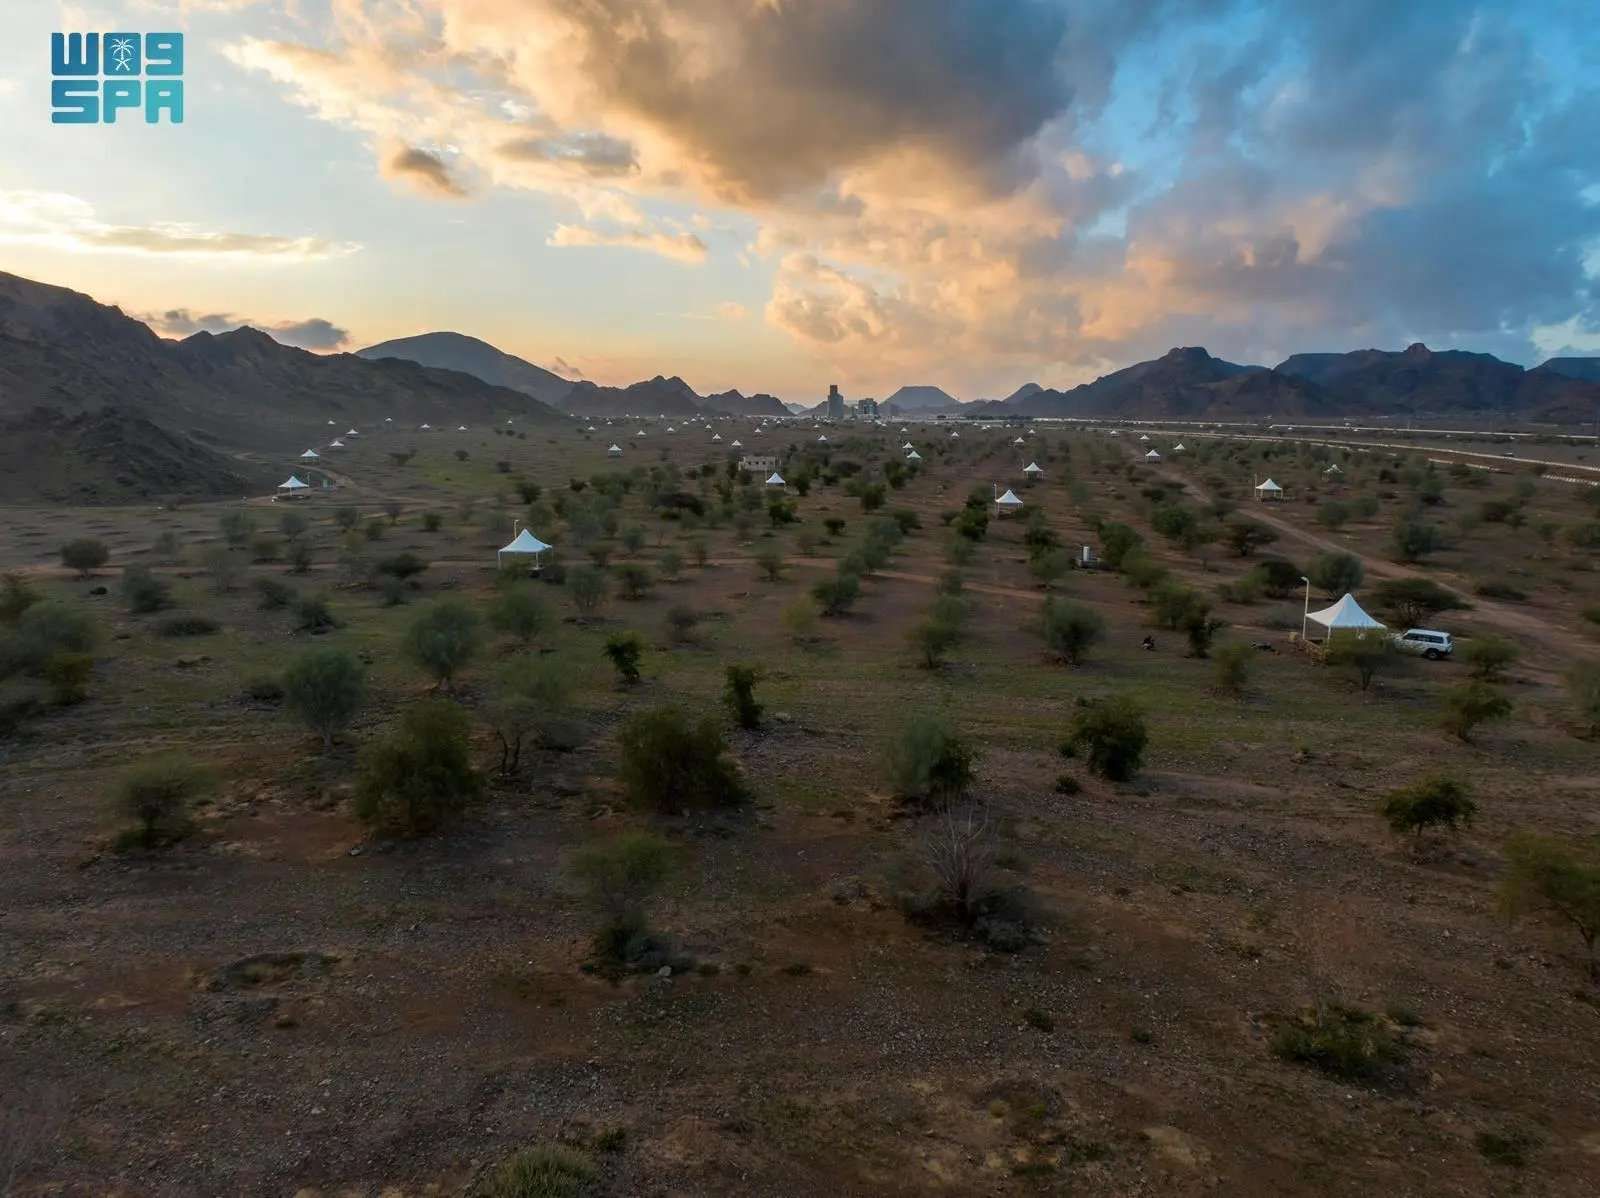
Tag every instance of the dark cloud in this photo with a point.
(314, 333)
(592, 153)
(423, 170)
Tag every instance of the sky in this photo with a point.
(776, 195)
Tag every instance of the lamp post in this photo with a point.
(1306, 611)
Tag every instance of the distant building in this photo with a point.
(866, 409)
(835, 403)
(757, 463)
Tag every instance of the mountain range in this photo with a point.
(94, 406)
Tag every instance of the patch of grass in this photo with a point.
(188, 624)
(1035, 1018)
(1509, 1149)
(548, 1171)
(1341, 1041)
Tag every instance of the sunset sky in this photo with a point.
(778, 194)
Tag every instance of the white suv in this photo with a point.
(1426, 642)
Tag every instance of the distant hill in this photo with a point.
(456, 351)
(736, 404)
(64, 355)
(1413, 381)
(653, 397)
(920, 399)
(1587, 369)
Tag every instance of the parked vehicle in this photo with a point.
(1425, 642)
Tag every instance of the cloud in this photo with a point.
(314, 333)
(566, 369)
(730, 311)
(59, 221)
(681, 247)
(424, 171)
(1022, 188)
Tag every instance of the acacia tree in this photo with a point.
(443, 639)
(1560, 881)
(1435, 802)
(325, 688)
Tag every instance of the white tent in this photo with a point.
(955, 435)
(1178, 448)
(1018, 441)
(1033, 470)
(822, 437)
(1344, 616)
(1333, 468)
(590, 429)
(913, 456)
(336, 444)
(388, 419)
(715, 437)
(352, 433)
(1152, 456)
(1144, 436)
(310, 455)
(293, 485)
(1008, 501)
(1269, 490)
(737, 444)
(908, 445)
(424, 428)
(525, 544)
(776, 480)
(461, 428)
(670, 429)
(615, 451)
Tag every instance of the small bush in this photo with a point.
(928, 762)
(670, 764)
(1070, 629)
(1434, 802)
(1507, 1149)
(312, 614)
(1469, 705)
(624, 650)
(1489, 657)
(587, 586)
(157, 794)
(16, 597)
(520, 613)
(44, 629)
(143, 592)
(1111, 733)
(67, 675)
(273, 594)
(444, 639)
(325, 688)
(401, 565)
(1558, 880)
(619, 876)
(548, 1171)
(634, 580)
(1232, 665)
(188, 624)
(420, 775)
(84, 554)
(1344, 1042)
(837, 595)
(740, 696)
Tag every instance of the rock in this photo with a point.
(664, 972)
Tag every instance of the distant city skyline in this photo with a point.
(774, 196)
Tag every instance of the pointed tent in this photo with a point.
(913, 456)
(615, 451)
(1008, 501)
(1152, 456)
(292, 484)
(737, 444)
(1033, 470)
(310, 455)
(1178, 448)
(822, 437)
(776, 480)
(1344, 616)
(590, 429)
(955, 436)
(352, 433)
(1269, 490)
(336, 444)
(1144, 436)
(1018, 441)
(908, 445)
(424, 428)
(524, 544)
(715, 437)
(1333, 468)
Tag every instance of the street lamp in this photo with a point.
(1306, 611)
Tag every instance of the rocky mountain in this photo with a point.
(64, 355)
(1183, 384)
(736, 404)
(1418, 381)
(1587, 369)
(456, 351)
(921, 399)
(653, 397)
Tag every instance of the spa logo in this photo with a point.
(95, 76)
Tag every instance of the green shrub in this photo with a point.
(1111, 734)
(1470, 704)
(272, 594)
(837, 595)
(143, 592)
(529, 697)
(1341, 1041)
(432, 521)
(1414, 539)
(1366, 653)
(634, 580)
(1233, 664)
(548, 1171)
(1489, 657)
(401, 565)
(1558, 880)
(624, 650)
(67, 675)
(44, 629)
(84, 554)
(188, 624)
(157, 794)
(419, 776)
(16, 597)
(1583, 685)
(325, 687)
(519, 612)
(443, 640)
(1116, 542)
(588, 588)
(312, 614)
(1336, 573)
(928, 762)
(619, 876)
(740, 696)
(1434, 802)
(670, 763)
(1070, 629)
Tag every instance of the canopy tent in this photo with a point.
(1008, 501)
(737, 444)
(1152, 456)
(715, 437)
(822, 437)
(954, 436)
(1033, 469)
(352, 433)
(292, 485)
(1269, 490)
(1018, 441)
(913, 456)
(1333, 468)
(1344, 616)
(461, 428)
(424, 427)
(1178, 448)
(336, 444)
(776, 480)
(908, 445)
(310, 455)
(590, 429)
(615, 451)
(1144, 436)
(525, 544)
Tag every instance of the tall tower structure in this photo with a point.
(835, 402)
